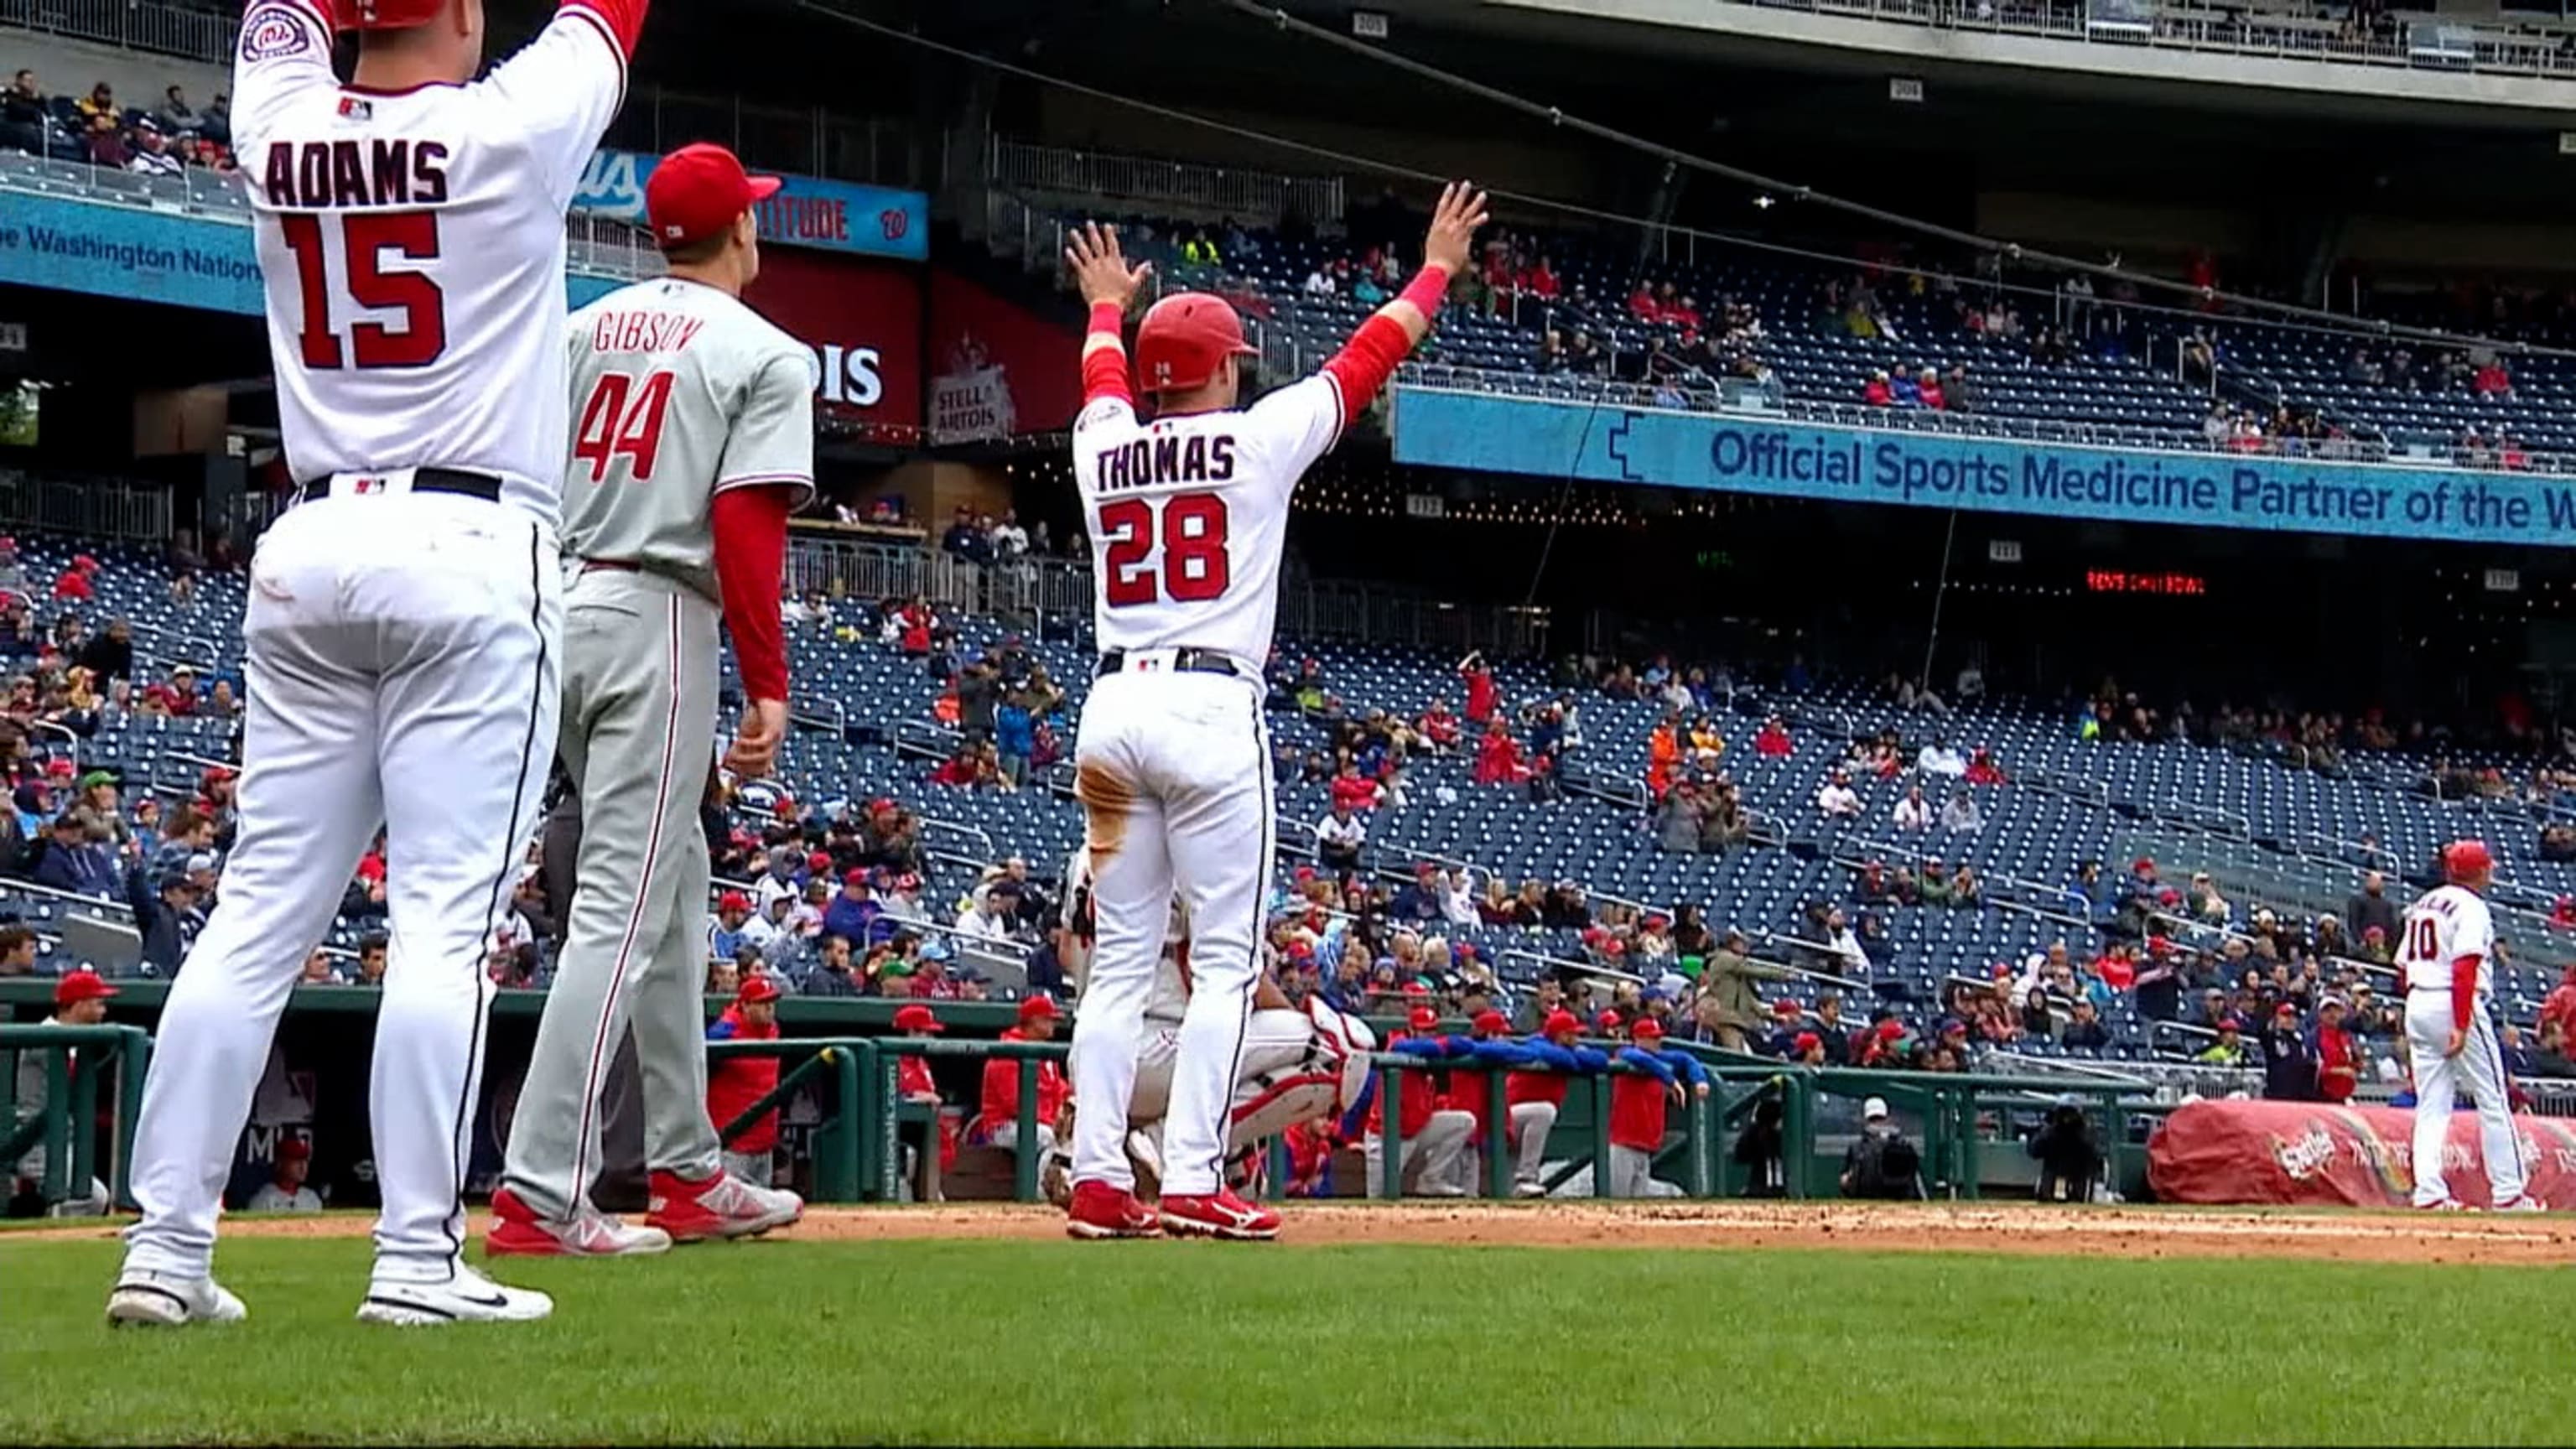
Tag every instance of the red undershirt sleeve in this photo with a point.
(2464, 991)
(751, 556)
(1365, 362)
(1104, 369)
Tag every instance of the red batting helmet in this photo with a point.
(2466, 860)
(383, 14)
(1184, 338)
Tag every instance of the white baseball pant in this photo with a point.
(1632, 1174)
(1525, 1135)
(1432, 1156)
(1173, 770)
(1268, 1094)
(402, 667)
(2438, 1080)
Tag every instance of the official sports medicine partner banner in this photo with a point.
(148, 256)
(2314, 1154)
(1730, 453)
(997, 369)
(808, 211)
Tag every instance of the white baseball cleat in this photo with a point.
(2446, 1205)
(1529, 1189)
(722, 1206)
(161, 1300)
(464, 1297)
(2521, 1203)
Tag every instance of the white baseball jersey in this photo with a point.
(1189, 516)
(413, 246)
(2445, 924)
(680, 392)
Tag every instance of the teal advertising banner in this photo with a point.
(149, 256)
(808, 211)
(1437, 427)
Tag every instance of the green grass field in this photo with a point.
(965, 1342)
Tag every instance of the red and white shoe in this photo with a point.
(1102, 1211)
(2446, 1205)
(517, 1231)
(722, 1206)
(1220, 1215)
(2522, 1203)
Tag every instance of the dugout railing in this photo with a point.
(79, 1066)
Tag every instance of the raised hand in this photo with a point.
(1453, 227)
(1098, 268)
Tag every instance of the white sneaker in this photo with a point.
(465, 1297)
(1529, 1189)
(165, 1301)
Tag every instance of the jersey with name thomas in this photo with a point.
(1188, 516)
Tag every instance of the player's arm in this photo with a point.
(1108, 285)
(285, 48)
(767, 471)
(2475, 942)
(561, 90)
(1266, 996)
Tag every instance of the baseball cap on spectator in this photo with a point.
(1805, 1041)
(81, 986)
(203, 860)
(61, 767)
(756, 989)
(1873, 1109)
(819, 862)
(1033, 1007)
(85, 563)
(94, 779)
(1784, 1008)
(2287, 1007)
(733, 901)
(219, 774)
(1608, 1020)
(2230, 1024)
(1423, 1018)
(916, 1018)
(1303, 874)
(856, 878)
(1953, 1026)
(1416, 988)
(697, 191)
(2142, 865)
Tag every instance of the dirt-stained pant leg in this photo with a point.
(1131, 901)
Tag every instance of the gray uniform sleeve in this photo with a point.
(772, 440)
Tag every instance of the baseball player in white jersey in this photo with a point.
(2448, 956)
(402, 628)
(692, 440)
(1298, 1060)
(1187, 516)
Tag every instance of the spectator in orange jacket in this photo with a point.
(1001, 1116)
(1663, 752)
(735, 1082)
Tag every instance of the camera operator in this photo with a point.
(2069, 1159)
(1880, 1163)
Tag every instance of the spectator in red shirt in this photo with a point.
(2338, 1054)
(1772, 740)
(1482, 696)
(179, 694)
(1642, 306)
(1539, 280)
(1352, 790)
(735, 1082)
(1982, 769)
(1440, 725)
(2491, 380)
(79, 581)
(1929, 388)
(2116, 968)
(1498, 757)
(1001, 1122)
(2560, 1004)
(1876, 392)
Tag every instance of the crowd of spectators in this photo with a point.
(160, 139)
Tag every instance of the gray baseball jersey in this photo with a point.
(684, 392)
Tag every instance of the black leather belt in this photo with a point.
(1184, 661)
(428, 480)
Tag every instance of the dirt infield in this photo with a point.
(2124, 1232)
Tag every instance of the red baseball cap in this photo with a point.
(1423, 1019)
(1493, 1021)
(81, 986)
(733, 901)
(1560, 1022)
(819, 861)
(916, 1018)
(1416, 988)
(2462, 859)
(698, 190)
(757, 988)
(1033, 1007)
(1806, 1041)
(1646, 1026)
(1608, 1020)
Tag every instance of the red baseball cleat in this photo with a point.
(1222, 1215)
(1102, 1211)
(723, 1206)
(517, 1231)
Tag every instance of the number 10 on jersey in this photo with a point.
(1189, 529)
